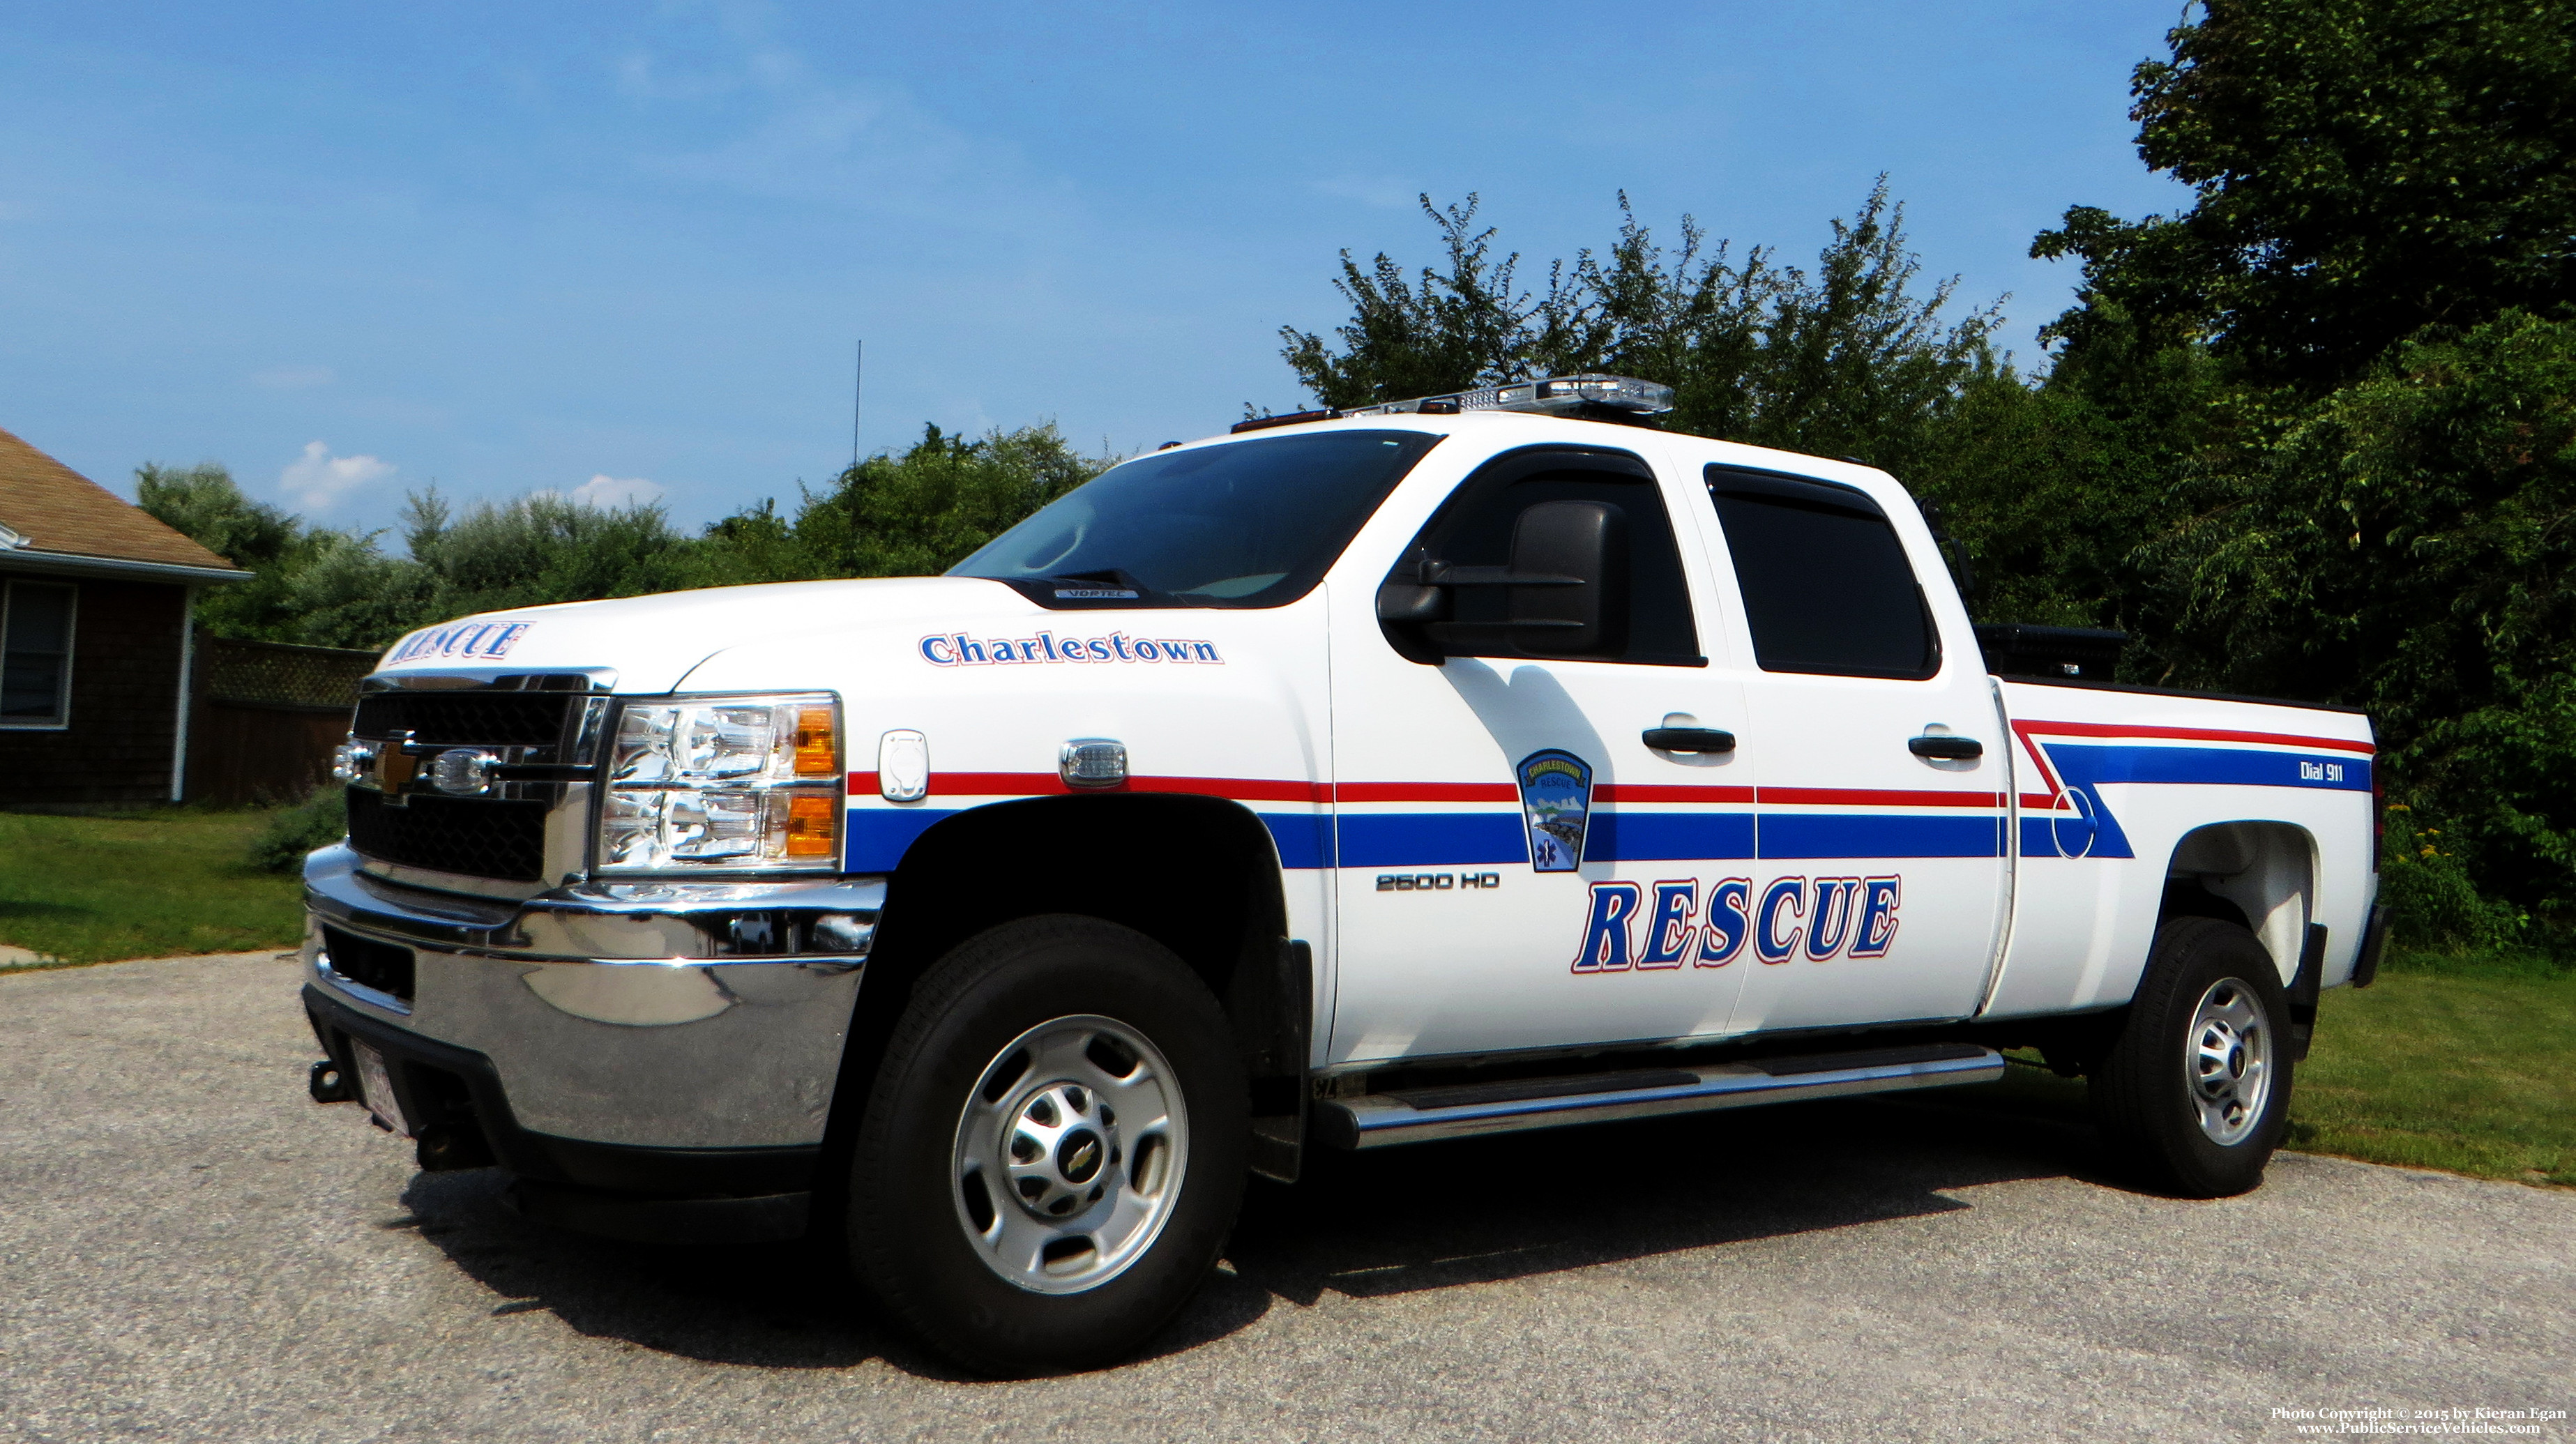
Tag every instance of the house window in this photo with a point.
(35, 655)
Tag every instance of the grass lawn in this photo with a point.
(2465, 1066)
(2461, 1064)
(141, 885)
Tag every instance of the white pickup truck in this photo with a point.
(1484, 762)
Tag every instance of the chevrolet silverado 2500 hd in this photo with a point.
(1479, 763)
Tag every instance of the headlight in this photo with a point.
(738, 783)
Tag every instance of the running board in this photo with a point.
(1418, 1115)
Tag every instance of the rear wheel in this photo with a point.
(2192, 1096)
(1054, 1149)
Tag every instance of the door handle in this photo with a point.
(1689, 739)
(1932, 744)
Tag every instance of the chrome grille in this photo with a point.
(529, 827)
(472, 837)
(474, 718)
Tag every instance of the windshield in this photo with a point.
(1246, 524)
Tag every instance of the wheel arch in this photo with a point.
(1201, 875)
(2259, 874)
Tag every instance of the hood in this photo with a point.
(653, 642)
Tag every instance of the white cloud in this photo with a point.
(293, 378)
(317, 478)
(608, 491)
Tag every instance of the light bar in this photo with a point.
(1547, 396)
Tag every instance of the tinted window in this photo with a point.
(1245, 524)
(35, 652)
(1826, 584)
(1475, 529)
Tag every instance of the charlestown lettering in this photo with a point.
(956, 649)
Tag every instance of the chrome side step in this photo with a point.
(1417, 1115)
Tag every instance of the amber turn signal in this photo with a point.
(810, 819)
(816, 756)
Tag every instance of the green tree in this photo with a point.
(916, 514)
(2408, 545)
(205, 504)
(2361, 168)
(1446, 331)
(1853, 357)
(540, 549)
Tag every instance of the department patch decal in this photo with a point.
(1556, 801)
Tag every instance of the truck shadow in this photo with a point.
(1441, 1215)
(1363, 1226)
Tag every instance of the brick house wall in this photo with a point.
(124, 715)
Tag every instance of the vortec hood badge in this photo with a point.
(1556, 800)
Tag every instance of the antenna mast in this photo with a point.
(858, 379)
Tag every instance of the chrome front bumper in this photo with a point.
(678, 1015)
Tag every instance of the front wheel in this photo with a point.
(2192, 1096)
(1053, 1152)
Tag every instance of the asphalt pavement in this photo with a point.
(189, 1248)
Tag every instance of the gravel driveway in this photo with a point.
(193, 1250)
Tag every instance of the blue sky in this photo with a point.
(623, 251)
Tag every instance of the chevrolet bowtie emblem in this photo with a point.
(397, 767)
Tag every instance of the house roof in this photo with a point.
(56, 509)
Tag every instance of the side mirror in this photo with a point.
(1565, 591)
(1586, 543)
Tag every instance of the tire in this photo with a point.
(1003, 1210)
(2192, 1094)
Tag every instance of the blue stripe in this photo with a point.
(1432, 839)
(1305, 839)
(878, 837)
(875, 837)
(1661, 836)
(2217, 765)
(1822, 835)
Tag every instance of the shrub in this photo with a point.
(318, 821)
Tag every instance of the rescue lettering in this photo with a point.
(1627, 929)
(477, 640)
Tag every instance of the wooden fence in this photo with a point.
(267, 716)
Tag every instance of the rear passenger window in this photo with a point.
(1826, 584)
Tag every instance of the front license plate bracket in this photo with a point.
(376, 1087)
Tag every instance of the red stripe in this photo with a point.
(2030, 731)
(1429, 792)
(1664, 792)
(1876, 797)
(2193, 734)
(1257, 789)
(1243, 789)
(1048, 784)
(997, 784)
(2039, 802)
